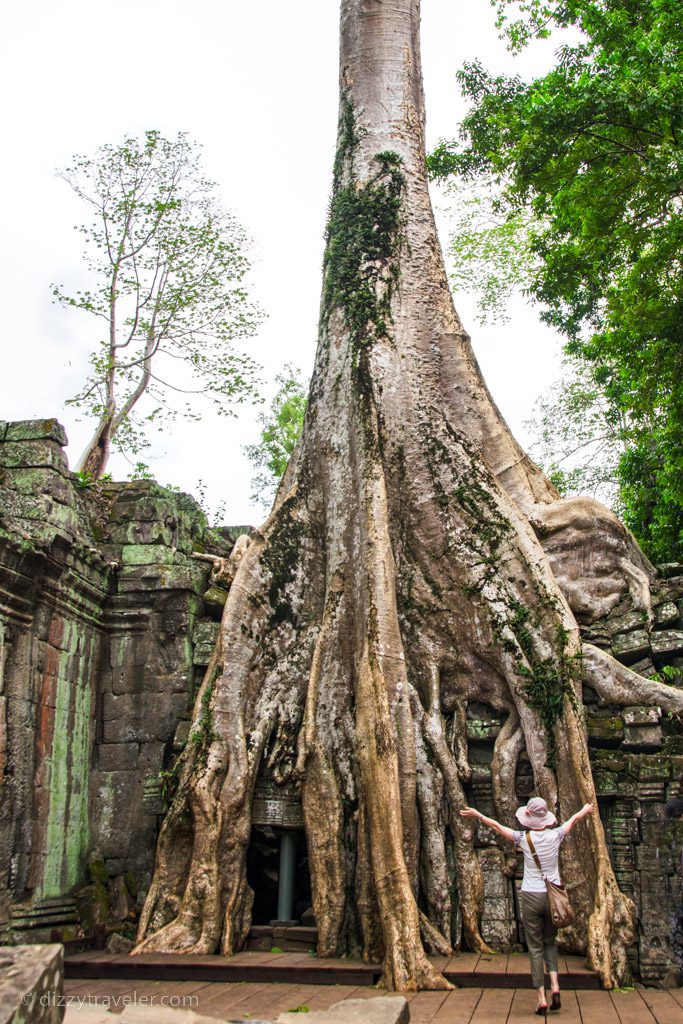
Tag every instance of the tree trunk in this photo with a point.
(95, 457)
(398, 577)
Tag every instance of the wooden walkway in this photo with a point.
(252, 1001)
(467, 970)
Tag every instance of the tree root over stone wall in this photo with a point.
(400, 575)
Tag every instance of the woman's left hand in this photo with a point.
(469, 812)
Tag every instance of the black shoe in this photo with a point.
(555, 1001)
(541, 1010)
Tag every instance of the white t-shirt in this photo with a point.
(547, 844)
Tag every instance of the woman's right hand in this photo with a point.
(587, 809)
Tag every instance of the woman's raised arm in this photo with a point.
(568, 825)
(503, 830)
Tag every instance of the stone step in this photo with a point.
(44, 914)
(295, 939)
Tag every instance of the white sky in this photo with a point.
(254, 81)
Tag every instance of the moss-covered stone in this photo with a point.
(33, 454)
(97, 871)
(605, 730)
(35, 430)
(93, 906)
(478, 729)
(609, 760)
(630, 647)
(146, 554)
(215, 597)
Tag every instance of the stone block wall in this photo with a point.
(637, 759)
(99, 603)
(53, 585)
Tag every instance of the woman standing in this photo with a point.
(546, 837)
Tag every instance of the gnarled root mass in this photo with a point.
(400, 575)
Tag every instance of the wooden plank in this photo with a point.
(327, 995)
(664, 1008)
(425, 1005)
(677, 993)
(261, 957)
(162, 988)
(488, 964)
(518, 963)
(493, 1007)
(463, 962)
(570, 1012)
(576, 965)
(371, 993)
(458, 1007)
(259, 1004)
(524, 1002)
(224, 998)
(288, 998)
(597, 1006)
(630, 1008)
(107, 995)
(89, 954)
(76, 985)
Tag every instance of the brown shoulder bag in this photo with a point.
(560, 908)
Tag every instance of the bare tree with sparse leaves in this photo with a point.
(168, 267)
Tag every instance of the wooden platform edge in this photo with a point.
(568, 981)
(180, 968)
(133, 969)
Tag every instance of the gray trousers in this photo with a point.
(540, 934)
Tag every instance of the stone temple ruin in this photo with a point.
(107, 623)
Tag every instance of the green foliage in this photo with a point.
(667, 674)
(167, 266)
(303, 1008)
(586, 170)
(281, 428)
(140, 471)
(488, 246)
(548, 681)
(83, 479)
(363, 240)
(579, 438)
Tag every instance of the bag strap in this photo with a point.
(534, 854)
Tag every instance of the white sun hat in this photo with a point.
(536, 814)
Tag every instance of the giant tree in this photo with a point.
(167, 267)
(399, 575)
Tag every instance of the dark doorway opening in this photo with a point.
(263, 875)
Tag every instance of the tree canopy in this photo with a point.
(281, 427)
(585, 167)
(167, 266)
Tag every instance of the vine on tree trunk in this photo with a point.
(363, 240)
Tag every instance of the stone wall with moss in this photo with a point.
(103, 638)
(637, 759)
(106, 626)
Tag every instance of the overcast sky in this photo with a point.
(254, 81)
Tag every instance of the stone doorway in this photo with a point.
(277, 871)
